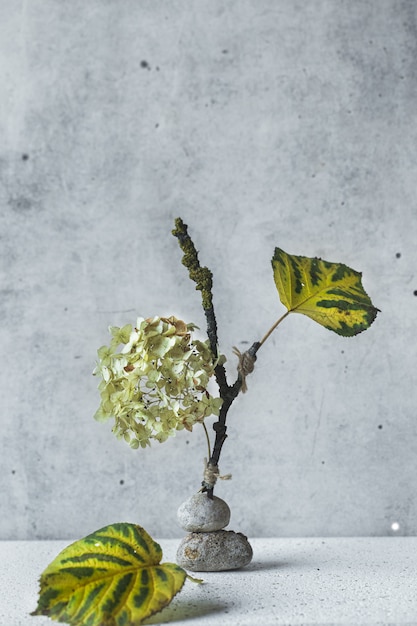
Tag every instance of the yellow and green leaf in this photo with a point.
(112, 577)
(330, 293)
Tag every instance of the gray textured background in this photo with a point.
(261, 123)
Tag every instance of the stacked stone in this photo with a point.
(207, 547)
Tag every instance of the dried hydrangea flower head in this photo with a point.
(157, 382)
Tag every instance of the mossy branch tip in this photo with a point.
(202, 276)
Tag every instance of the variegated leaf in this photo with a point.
(112, 577)
(330, 293)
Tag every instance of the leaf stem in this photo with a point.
(273, 328)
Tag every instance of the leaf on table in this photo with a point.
(112, 577)
(330, 293)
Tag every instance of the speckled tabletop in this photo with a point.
(290, 581)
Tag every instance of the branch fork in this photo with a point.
(203, 278)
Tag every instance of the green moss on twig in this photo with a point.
(202, 276)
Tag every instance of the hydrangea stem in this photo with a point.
(207, 438)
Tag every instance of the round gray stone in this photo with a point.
(200, 514)
(214, 552)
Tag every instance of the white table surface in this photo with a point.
(290, 581)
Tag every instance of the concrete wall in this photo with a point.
(262, 124)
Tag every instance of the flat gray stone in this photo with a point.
(200, 514)
(214, 552)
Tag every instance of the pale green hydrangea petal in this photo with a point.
(120, 335)
(157, 383)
